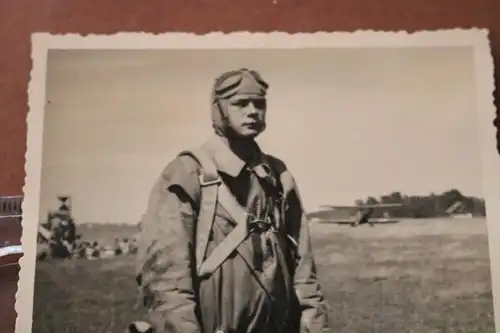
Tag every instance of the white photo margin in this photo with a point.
(477, 39)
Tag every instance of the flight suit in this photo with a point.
(268, 285)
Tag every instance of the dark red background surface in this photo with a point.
(19, 18)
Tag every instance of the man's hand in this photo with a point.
(140, 327)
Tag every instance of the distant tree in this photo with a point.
(373, 201)
(396, 197)
(450, 197)
(426, 206)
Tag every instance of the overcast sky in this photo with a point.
(348, 122)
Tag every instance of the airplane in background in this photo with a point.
(356, 214)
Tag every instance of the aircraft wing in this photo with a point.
(350, 221)
(338, 207)
(383, 220)
(336, 221)
(363, 206)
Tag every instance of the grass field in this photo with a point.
(415, 276)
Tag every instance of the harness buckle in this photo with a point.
(204, 182)
(260, 225)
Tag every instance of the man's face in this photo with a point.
(246, 115)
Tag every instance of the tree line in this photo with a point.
(427, 206)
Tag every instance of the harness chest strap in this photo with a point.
(233, 240)
(209, 182)
(214, 191)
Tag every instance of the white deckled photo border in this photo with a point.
(42, 42)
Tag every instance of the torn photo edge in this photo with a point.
(477, 39)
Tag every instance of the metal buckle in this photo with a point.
(210, 182)
(261, 225)
(258, 226)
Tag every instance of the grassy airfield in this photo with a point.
(420, 276)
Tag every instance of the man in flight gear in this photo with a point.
(224, 243)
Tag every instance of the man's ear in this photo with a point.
(220, 105)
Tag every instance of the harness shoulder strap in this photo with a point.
(281, 173)
(209, 185)
(287, 184)
(233, 239)
(214, 191)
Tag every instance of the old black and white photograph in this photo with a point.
(309, 183)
